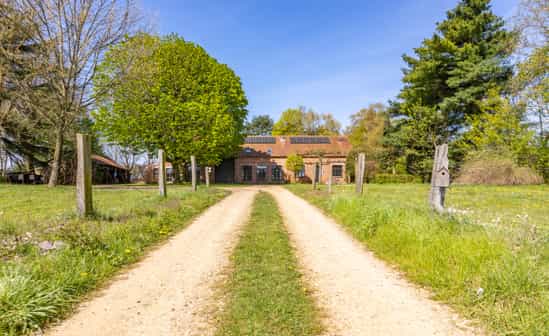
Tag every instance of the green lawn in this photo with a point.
(497, 239)
(266, 295)
(39, 286)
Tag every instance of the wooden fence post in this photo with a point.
(193, 172)
(162, 173)
(440, 178)
(330, 179)
(84, 202)
(207, 171)
(359, 176)
(316, 176)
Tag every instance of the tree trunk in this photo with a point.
(540, 114)
(57, 156)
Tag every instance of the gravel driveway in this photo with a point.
(166, 292)
(360, 294)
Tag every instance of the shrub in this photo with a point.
(396, 178)
(497, 169)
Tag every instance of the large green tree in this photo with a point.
(290, 123)
(449, 75)
(366, 135)
(170, 94)
(300, 121)
(532, 79)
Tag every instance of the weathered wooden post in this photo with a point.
(162, 173)
(84, 202)
(193, 172)
(359, 169)
(207, 171)
(330, 179)
(440, 178)
(316, 176)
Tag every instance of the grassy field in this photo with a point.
(266, 295)
(489, 259)
(38, 285)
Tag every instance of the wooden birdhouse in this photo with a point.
(441, 173)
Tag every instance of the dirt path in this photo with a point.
(166, 292)
(361, 295)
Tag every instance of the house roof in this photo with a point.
(107, 161)
(282, 146)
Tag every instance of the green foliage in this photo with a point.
(447, 79)
(36, 289)
(170, 94)
(498, 128)
(260, 125)
(294, 163)
(366, 131)
(290, 123)
(299, 121)
(366, 135)
(395, 178)
(266, 294)
(499, 244)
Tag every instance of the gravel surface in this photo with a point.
(360, 294)
(167, 292)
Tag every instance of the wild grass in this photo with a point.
(497, 274)
(266, 295)
(37, 287)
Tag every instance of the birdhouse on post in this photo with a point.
(440, 179)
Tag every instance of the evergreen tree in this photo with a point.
(450, 75)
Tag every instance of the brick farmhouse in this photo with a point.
(262, 159)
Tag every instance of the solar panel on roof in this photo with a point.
(260, 140)
(309, 140)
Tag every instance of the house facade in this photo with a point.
(262, 160)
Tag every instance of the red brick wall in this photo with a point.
(327, 164)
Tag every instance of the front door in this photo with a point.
(261, 174)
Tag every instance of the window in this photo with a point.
(246, 172)
(337, 171)
(301, 173)
(277, 173)
(261, 173)
(270, 151)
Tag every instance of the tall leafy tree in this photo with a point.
(330, 126)
(532, 79)
(259, 125)
(366, 135)
(450, 74)
(170, 94)
(72, 36)
(500, 128)
(300, 121)
(290, 122)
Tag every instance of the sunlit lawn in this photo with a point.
(488, 205)
(489, 257)
(37, 284)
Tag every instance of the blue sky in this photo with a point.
(332, 56)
